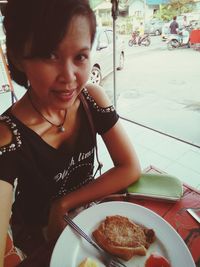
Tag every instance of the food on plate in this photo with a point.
(88, 262)
(156, 260)
(121, 237)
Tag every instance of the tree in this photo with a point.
(174, 8)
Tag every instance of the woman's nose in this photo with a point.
(67, 72)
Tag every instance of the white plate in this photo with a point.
(71, 249)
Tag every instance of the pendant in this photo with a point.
(61, 129)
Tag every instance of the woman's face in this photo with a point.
(57, 81)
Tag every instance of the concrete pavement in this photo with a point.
(160, 89)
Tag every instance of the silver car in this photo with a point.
(102, 54)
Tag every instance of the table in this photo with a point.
(173, 212)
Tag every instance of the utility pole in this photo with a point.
(115, 13)
(145, 9)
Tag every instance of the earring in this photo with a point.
(28, 84)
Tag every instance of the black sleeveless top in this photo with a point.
(43, 173)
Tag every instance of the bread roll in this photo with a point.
(122, 237)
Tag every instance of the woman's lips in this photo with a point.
(64, 95)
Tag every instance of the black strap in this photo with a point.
(90, 119)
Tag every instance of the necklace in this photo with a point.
(60, 127)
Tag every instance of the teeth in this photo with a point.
(67, 93)
(70, 93)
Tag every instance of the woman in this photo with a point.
(46, 141)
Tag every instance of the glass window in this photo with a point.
(159, 84)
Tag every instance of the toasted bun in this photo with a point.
(88, 262)
(122, 237)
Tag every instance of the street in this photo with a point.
(160, 89)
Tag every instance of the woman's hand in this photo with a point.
(56, 222)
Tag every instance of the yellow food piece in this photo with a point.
(88, 262)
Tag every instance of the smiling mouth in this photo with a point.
(62, 92)
(67, 92)
(65, 95)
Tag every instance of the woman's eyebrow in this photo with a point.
(86, 48)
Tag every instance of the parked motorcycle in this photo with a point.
(181, 39)
(137, 40)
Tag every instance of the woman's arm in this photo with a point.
(6, 191)
(126, 170)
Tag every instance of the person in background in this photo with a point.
(185, 22)
(141, 32)
(47, 147)
(174, 26)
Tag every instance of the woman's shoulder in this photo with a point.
(103, 112)
(10, 136)
(6, 135)
(96, 95)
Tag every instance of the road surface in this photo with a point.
(160, 89)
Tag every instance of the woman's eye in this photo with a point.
(53, 56)
(82, 57)
(50, 57)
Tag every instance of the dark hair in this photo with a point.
(41, 24)
(174, 18)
